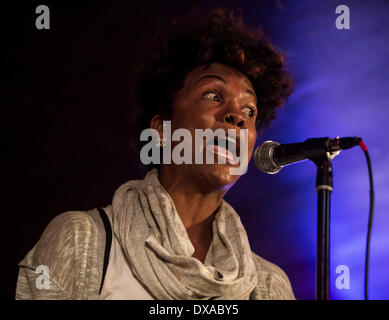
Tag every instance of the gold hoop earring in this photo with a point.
(161, 142)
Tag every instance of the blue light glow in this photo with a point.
(341, 90)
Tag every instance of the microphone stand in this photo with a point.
(321, 151)
(324, 187)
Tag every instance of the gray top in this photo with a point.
(72, 248)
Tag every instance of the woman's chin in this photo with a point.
(218, 176)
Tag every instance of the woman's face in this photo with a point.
(215, 97)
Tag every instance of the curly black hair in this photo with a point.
(221, 37)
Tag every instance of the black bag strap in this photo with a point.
(108, 241)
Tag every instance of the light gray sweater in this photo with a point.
(72, 247)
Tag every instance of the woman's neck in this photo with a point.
(196, 209)
(193, 205)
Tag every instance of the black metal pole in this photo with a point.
(324, 187)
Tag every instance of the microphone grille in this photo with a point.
(263, 157)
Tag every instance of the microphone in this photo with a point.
(270, 157)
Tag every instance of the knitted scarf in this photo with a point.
(157, 246)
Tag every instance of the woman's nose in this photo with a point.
(234, 119)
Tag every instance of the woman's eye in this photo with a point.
(251, 112)
(212, 96)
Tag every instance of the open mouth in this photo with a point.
(227, 148)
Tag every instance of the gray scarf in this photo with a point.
(157, 245)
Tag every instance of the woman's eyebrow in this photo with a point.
(253, 94)
(214, 76)
(211, 76)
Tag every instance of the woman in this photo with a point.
(171, 235)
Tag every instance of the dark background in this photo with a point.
(66, 146)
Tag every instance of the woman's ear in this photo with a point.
(157, 124)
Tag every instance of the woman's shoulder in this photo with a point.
(69, 230)
(80, 222)
(71, 249)
(274, 279)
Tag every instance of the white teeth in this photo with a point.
(231, 139)
(234, 141)
(220, 151)
(228, 143)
